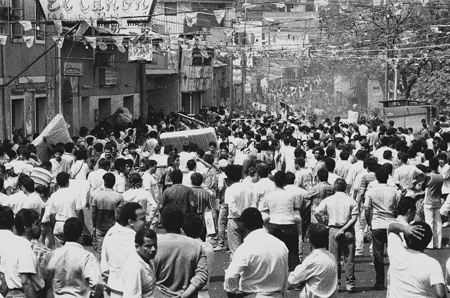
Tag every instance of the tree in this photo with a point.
(404, 35)
(433, 86)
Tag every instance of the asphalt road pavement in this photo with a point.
(364, 271)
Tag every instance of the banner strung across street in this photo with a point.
(76, 10)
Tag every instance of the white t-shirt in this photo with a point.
(150, 184)
(20, 200)
(281, 205)
(16, 258)
(289, 159)
(137, 195)
(187, 178)
(411, 273)
(184, 158)
(120, 184)
(363, 129)
(64, 204)
(406, 174)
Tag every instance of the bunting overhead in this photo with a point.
(75, 10)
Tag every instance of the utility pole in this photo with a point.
(268, 79)
(231, 86)
(4, 132)
(386, 75)
(395, 78)
(244, 61)
(143, 91)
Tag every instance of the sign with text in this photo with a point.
(76, 10)
(73, 69)
(108, 76)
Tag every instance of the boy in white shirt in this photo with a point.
(319, 269)
(413, 273)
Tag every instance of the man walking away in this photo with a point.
(260, 265)
(72, 270)
(180, 263)
(318, 270)
(342, 212)
(104, 205)
(380, 204)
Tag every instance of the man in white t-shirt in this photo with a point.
(289, 156)
(26, 197)
(64, 204)
(17, 260)
(363, 129)
(407, 175)
(185, 155)
(413, 273)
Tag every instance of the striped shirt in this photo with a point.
(202, 199)
(41, 176)
(104, 205)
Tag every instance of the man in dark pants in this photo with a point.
(342, 212)
(380, 204)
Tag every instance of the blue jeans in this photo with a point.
(379, 240)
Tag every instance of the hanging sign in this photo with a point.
(73, 69)
(140, 51)
(75, 10)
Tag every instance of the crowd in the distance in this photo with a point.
(155, 215)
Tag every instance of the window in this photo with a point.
(191, 102)
(104, 60)
(128, 102)
(170, 8)
(197, 60)
(207, 61)
(4, 14)
(39, 26)
(16, 13)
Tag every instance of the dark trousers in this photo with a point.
(305, 215)
(344, 246)
(289, 235)
(379, 240)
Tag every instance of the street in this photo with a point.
(365, 273)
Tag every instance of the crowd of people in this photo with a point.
(155, 215)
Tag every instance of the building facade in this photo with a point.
(28, 85)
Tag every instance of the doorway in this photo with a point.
(104, 108)
(18, 114)
(41, 113)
